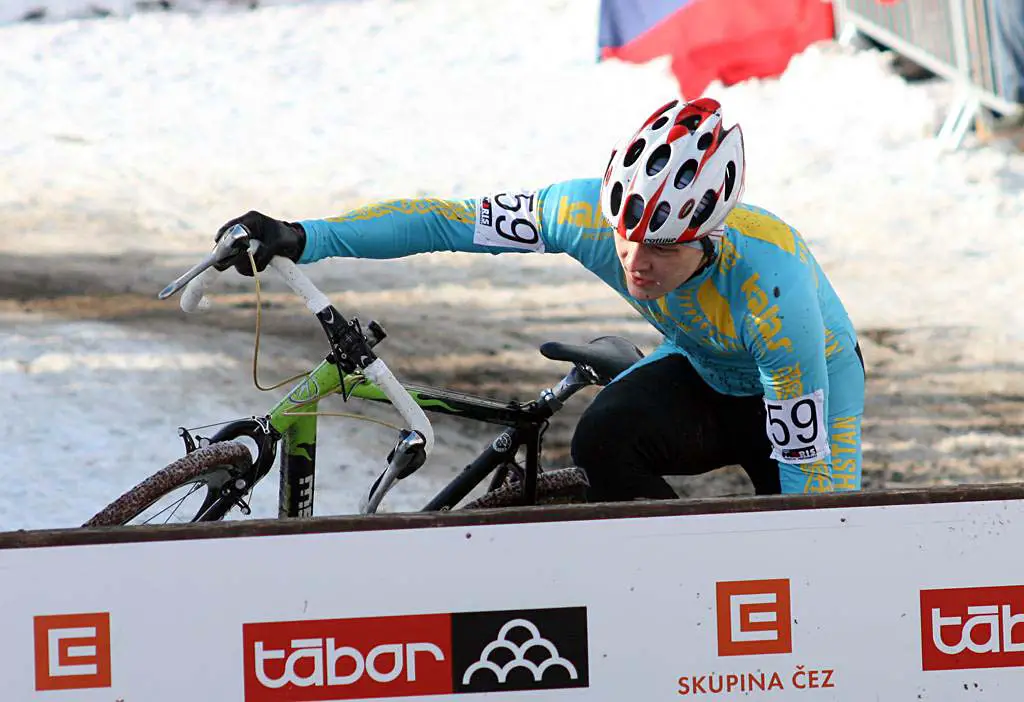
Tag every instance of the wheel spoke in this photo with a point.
(176, 504)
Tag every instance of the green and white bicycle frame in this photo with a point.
(352, 369)
(292, 426)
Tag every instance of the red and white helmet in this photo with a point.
(677, 177)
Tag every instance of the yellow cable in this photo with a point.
(344, 414)
(256, 349)
(255, 364)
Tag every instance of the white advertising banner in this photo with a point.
(916, 602)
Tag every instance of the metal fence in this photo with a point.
(951, 38)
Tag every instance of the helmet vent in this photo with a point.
(730, 179)
(691, 122)
(705, 141)
(616, 199)
(705, 208)
(658, 160)
(634, 152)
(660, 215)
(686, 173)
(634, 210)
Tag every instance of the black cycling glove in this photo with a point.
(276, 238)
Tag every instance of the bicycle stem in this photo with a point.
(349, 340)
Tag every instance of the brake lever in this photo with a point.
(233, 240)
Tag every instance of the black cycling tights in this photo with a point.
(663, 419)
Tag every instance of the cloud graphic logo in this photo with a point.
(520, 649)
(518, 652)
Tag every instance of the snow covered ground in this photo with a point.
(125, 142)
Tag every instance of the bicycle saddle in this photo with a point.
(606, 355)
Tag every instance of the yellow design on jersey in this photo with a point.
(788, 381)
(449, 209)
(728, 255)
(805, 254)
(653, 315)
(844, 452)
(764, 318)
(580, 213)
(757, 225)
(692, 314)
(664, 313)
(716, 308)
(832, 344)
(819, 477)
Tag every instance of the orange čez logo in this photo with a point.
(72, 651)
(753, 617)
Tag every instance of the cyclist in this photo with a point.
(759, 365)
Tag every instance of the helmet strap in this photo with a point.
(707, 245)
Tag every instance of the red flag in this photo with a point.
(730, 40)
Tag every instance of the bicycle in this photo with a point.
(222, 470)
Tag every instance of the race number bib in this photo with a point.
(796, 428)
(508, 220)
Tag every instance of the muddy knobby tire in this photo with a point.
(187, 469)
(561, 486)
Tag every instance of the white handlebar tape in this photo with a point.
(315, 300)
(193, 297)
(381, 376)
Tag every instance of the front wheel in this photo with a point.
(194, 487)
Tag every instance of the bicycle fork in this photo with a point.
(298, 465)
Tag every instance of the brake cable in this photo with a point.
(255, 373)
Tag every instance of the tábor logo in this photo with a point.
(72, 651)
(341, 659)
(427, 654)
(973, 627)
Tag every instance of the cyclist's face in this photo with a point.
(652, 271)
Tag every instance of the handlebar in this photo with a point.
(235, 240)
(196, 278)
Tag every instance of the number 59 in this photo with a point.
(802, 415)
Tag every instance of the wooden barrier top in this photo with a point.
(549, 513)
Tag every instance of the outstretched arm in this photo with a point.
(564, 217)
(497, 223)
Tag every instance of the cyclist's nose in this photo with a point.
(633, 257)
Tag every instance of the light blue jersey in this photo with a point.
(762, 319)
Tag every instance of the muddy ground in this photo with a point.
(939, 410)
